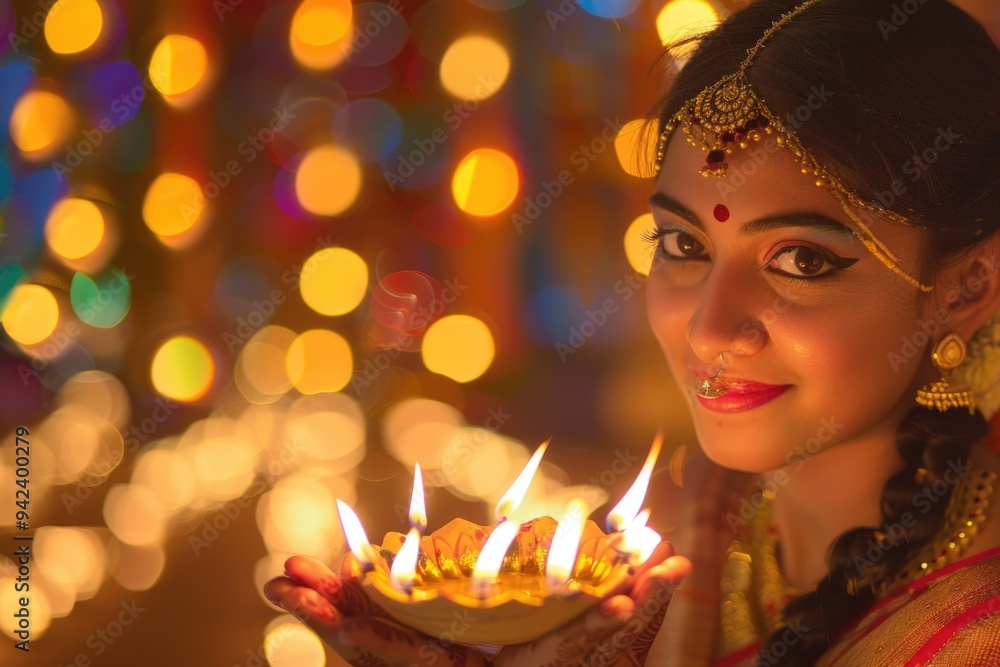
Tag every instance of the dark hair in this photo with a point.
(894, 83)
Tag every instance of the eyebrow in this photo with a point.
(803, 219)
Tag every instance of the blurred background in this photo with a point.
(258, 255)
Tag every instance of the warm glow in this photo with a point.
(355, 534)
(73, 25)
(173, 205)
(637, 248)
(31, 314)
(40, 608)
(474, 67)
(298, 516)
(178, 64)
(134, 515)
(639, 539)
(404, 565)
(136, 568)
(260, 374)
(293, 644)
(319, 361)
(458, 346)
(636, 150)
(628, 507)
(681, 19)
(418, 511)
(321, 22)
(328, 180)
(74, 228)
(183, 369)
(485, 182)
(491, 557)
(168, 476)
(334, 281)
(515, 494)
(39, 123)
(71, 558)
(565, 543)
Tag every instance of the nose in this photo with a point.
(725, 318)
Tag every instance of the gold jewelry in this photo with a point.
(949, 353)
(713, 387)
(729, 113)
(754, 593)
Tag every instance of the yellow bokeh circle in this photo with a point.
(183, 369)
(474, 67)
(321, 22)
(328, 180)
(680, 19)
(458, 346)
(31, 314)
(174, 203)
(637, 248)
(74, 228)
(635, 147)
(485, 182)
(178, 64)
(72, 26)
(39, 123)
(334, 281)
(319, 361)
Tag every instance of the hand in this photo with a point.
(622, 626)
(337, 610)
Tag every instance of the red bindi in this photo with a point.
(721, 213)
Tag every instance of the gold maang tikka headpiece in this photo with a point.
(729, 113)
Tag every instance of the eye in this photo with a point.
(805, 262)
(676, 243)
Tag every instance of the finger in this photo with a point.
(345, 593)
(663, 551)
(307, 605)
(399, 645)
(568, 645)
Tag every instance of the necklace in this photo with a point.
(754, 593)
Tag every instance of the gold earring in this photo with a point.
(714, 386)
(948, 354)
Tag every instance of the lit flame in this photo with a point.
(355, 534)
(628, 507)
(418, 514)
(515, 494)
(565, 544)
(491, 557)
(404, 565)
(639, 540)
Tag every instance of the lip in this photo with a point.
(743, 394)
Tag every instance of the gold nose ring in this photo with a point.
(714, 386)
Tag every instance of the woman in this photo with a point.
(825, 280)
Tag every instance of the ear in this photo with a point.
(968, 289)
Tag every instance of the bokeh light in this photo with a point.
(183, 369)
(75, 228)
(174, 204)
(31, 314)
(134, 515)
(40, 123)
(72, 26)
(334, 281)
(637, 247)
(328, 180)
(474, 67)
(136, 568)
(485, 182)
(178, 64)
(319, 35)
(103, 301)
(293, 644)
(319, 361)
(458, 346)
(635, 146)
(71, 557)
(680, 19)
(261, 375)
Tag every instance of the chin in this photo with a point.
(741, 454)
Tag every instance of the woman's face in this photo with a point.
(822, 342)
